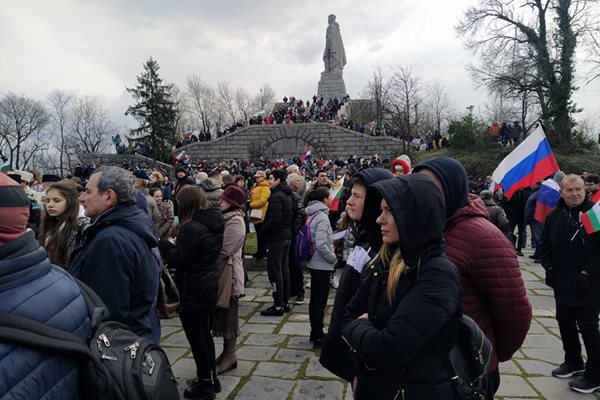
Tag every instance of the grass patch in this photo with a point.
(250, 245)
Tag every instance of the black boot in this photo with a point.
(202, 389)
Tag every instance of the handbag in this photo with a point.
(167, 303)
(256, 213)
(224, 294)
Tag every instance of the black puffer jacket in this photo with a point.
(402, 349)
(280, 212)
(198, 246)
(566, 251)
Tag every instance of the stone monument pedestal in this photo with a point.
(331, 86)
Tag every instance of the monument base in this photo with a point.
(331, 86)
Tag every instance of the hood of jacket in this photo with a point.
(372, 175)
(210, 184)
(262, 184)
(22, 260)
(315, 206)
(474, 208)
(418, 210)
(131, 218)
(454, 180)
(211, 218)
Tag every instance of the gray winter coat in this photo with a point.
(320, 235)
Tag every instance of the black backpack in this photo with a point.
(117, 364)
(469, 359)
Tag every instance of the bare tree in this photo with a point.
(265, 99)
(226, 99)
(545, 32)
(243, 103)
(438, 104)
(22, 120)
(405, 96)
(203, 101)
(90, 126)
(60, 113)
(378, 89)
(182, 121)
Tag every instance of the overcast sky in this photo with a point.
(98, 47)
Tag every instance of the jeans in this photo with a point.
(536, 236)
(278, 270)
(572, 321)
(197, 330)
(319, 290)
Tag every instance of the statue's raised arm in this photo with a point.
(334, 55)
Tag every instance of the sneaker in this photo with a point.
(519, 253)
(300, 299)
(286, 308)
(272, 312)
(334, 282)
(317, 343)
(584, 385)
(565, 371)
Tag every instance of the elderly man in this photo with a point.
(115, 258)
(571, 259)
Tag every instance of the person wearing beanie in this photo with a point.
(401, 165)
(493, 291)
(335, 355)
(31, 287)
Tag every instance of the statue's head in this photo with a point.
(331, 18)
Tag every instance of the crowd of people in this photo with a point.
(419, 246)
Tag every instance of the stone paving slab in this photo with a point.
(259, 388)
(276, 360)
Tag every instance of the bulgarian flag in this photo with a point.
(306, 156)
(336, 194)
(591, 219)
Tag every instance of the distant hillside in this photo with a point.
(483, 161)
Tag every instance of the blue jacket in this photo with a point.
(116, 261)
(32, 287)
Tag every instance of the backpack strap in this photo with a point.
(22, 331)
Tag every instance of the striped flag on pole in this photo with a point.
(336, 194)
(591, 219)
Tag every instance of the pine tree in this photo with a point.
(154, 111)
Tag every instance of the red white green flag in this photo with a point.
(591, 219)
(336, 194)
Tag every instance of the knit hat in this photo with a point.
(454, 181)
(401, 163)
(233, 195)
(141, 174)
(14, 210)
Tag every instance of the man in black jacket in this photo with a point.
(277, 232)
(296, 277)
(571, 258)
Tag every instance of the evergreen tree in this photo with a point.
(154, 111)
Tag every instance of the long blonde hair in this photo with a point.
(396, 264)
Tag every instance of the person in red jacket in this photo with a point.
(493, 291)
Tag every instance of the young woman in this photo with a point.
(62, 228)
(322, 262)
(404, 318)
(165, 209)
(225, 320)
(194, 257)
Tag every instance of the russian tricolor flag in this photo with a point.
(547, 200)
(307, 155)
(529, 163)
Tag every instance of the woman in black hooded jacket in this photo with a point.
(404, 318)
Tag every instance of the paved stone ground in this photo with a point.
(277, 362)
